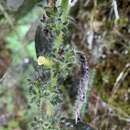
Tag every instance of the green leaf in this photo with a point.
(66, 8)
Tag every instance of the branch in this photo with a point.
(115, 9)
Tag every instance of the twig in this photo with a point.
(115, 9)
(120, 79)
(83, 89)
(106, 108)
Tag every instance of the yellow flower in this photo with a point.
(44, 61)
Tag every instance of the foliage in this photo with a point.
(45, 93)
(60, 64)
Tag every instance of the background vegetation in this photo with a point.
(86, 46)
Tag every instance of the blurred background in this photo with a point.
(18, 23)
(105, 35)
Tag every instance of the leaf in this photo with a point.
(66, 8)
